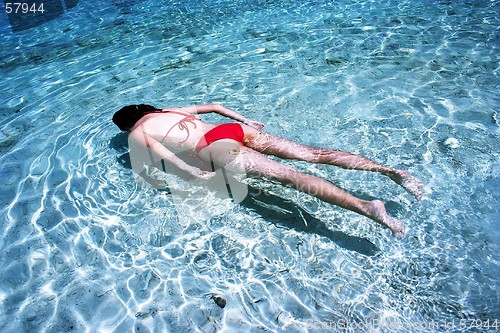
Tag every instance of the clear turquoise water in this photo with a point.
(413, 85)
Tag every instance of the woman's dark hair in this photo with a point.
(127, 116)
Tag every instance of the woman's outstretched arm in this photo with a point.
(218, 108)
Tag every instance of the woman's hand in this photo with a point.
(255, 124)
(236, 116)
(203, 175)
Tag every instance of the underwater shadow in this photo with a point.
(285, 213)
(275, 209)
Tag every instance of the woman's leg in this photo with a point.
(284, 148)
(256, 164)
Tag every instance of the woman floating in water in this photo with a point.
(243, 148)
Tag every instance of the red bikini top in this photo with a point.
(182, 124)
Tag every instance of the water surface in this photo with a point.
(413, 85)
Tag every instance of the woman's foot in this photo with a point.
(377, 212)
(408, 182)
